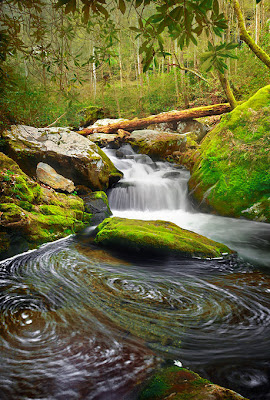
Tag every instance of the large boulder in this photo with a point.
(231, 174)
(156, 237)
(157, 144)
(31, 214)
(181, 384)
(70, 154)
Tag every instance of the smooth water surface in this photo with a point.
(78, 322)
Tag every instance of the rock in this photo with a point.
(50, 177)
(193, 126)
(31, 214)
(106, 121)
(188, 126)
(91, 114)
(69, 153)
(157, 144)
(97, 204)
(181, 384)
(231, 174)
(104, 139)
(156, 237)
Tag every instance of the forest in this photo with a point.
(62, 55)
(135, 199)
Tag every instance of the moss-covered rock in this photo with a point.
(34, 213)
(181, 384)
(97, 204)
(70, 154)
(231, 174)
(157, 237)
(91, 114)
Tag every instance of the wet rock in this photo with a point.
(156, 237)
(69, 153)
(104, 139)
(97, 204)
(181, 384)
(231, 173)
(50, 177)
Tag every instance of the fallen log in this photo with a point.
(171, 116)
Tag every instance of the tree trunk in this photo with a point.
(257, 50)
(171, 116)
(227, 89)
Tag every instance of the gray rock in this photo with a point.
(193, 126)
(69, 153)
(97, 204)
(47, 175)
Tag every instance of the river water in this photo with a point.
(79, 322)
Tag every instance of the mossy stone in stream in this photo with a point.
(232, 174)
(181, 384)
(157, 237)
(34, 213)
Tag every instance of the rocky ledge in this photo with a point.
(31, 214)
(70, 154)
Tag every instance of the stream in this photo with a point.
(79, 322)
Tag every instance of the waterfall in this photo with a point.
(158, 191)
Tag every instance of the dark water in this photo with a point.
(78, 322)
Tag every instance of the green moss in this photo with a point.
(181, 384)
(101, 195)
(232, 172)
(36, 214)
(156, 237)
(91, 114)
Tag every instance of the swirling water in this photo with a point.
(78, 322)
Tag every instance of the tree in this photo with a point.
(244, 35)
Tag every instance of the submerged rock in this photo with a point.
(70, 154)
(31, 214)
(180, 384)
(50, 177)
(231, 174)
(156, 237)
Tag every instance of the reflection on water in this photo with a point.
(78, 322)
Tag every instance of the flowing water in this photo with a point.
(78, 322)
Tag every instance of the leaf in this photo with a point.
(147, 64)
(138, 3)
(193, 39)
(122, 6)
(156, 18)
(103, 10)
(70, 7)
(135, 29)
(216, 7)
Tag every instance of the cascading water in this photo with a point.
(78, 322)
(152, 191)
